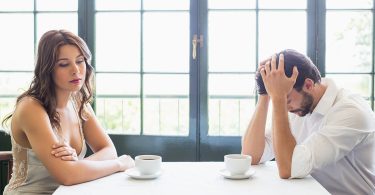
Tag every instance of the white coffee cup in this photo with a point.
(237, 164)
(148, 164)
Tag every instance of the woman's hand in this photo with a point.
(64, 151)
(126, 162)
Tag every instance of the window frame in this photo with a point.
(198, 146)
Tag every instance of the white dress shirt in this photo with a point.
(335, 143)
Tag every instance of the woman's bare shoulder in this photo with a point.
(29, 106)
(29, 116)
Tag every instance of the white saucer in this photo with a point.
(135, 174)
(228, 175)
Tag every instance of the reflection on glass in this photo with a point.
(14, 83)
(231, 41)
(166, 116)
(119, 116)
(348, 41)
(17, 53)
(349, 4)
(118, 46)
(57, 5)
(117, 5)
(166, 4)
(360, 84)
(117, 84)
(280, 30)
(156, 85)
(231, 84)
(231, 4)
(16, 5)
(284, 4)
(229, 117)
(49, 21)
(166, 34)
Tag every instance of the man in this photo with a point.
(329, 132)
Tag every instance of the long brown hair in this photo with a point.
(42, 86)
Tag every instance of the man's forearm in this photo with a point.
(283, 140)
(253, 141)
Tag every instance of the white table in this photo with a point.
(198, 178)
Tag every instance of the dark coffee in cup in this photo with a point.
(148, 164)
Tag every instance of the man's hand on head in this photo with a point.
(277, 84)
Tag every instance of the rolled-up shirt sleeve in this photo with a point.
(342, 131)
(301, 161)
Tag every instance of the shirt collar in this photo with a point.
(328, 97)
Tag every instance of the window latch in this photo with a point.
(195, 42)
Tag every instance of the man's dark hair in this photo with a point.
(306, 69)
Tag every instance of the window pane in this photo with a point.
(118, 5)
(166, 105)
(156, 85)
(231, 85)
(17, 53)
(6, 107)
(230, 101)
(119, 115)
(284, 4)
(229, 117)
(57, 5)
(349, 4)
(14, 83)
(166, 116)
(117, 84)
(348, 41)
(231, 4)
(46, 22)
(279, 30)
(356, 83)
(16, 5)
(236, 52)
(166, 34)
(247, 107)
(166, 4)
(118, 45)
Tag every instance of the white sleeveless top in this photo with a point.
(30, 176)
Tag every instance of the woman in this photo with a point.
(53, 119)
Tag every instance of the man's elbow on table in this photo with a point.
(255, 159)
(284, 172)
(294, 173)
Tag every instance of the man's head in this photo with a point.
(300, 101)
